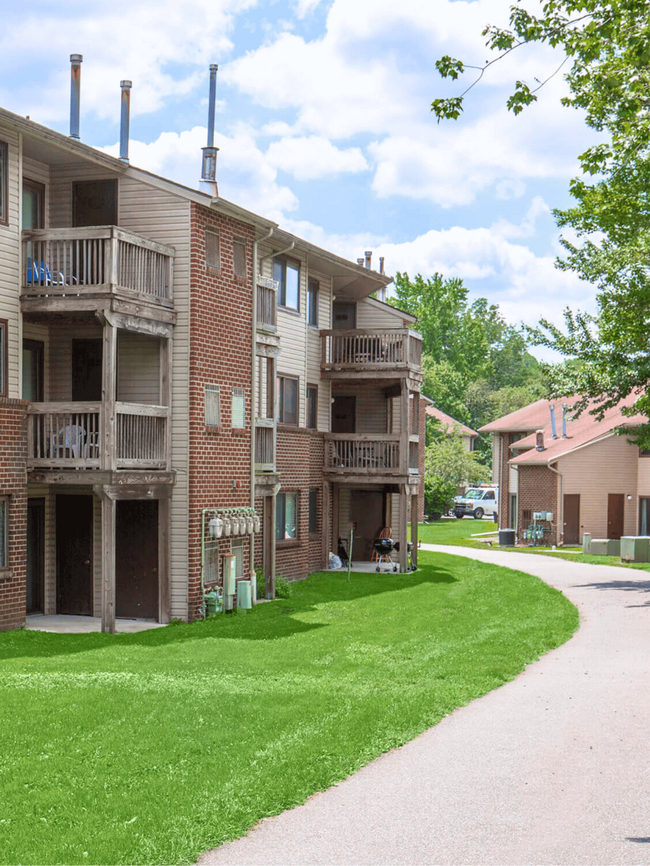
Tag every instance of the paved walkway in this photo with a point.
(552, 768)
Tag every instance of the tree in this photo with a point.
(448, 465)
(607, 47)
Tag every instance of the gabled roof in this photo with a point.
(582, 431)
(448, 423)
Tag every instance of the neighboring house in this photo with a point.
(450, 425)
(164, 352)
(582, 471)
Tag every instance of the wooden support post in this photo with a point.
(415, 502)
(164, 533)
(269, 545)
(108, 562)
(109, 382)
(404, 428)
(326, 530)
(166, 353)
(403, 527)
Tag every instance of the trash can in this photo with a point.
(507, 538)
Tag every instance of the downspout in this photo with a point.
(560, 500)
(279, 252)
(254, 381)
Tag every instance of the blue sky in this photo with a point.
(324, 124)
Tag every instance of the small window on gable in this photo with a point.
(4, 532)
(212, 406)
(312, 303)
(4, 183)
(212, 251)
(239, 257)
(238, 407)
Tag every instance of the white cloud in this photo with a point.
(311, 157)
(304, 7)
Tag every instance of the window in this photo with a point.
(239, 257)
(287, 400)
(212, 253)
(33, 204)
(4, 183)
(287, 275)
(4, 532)
(312, 303)
(286, 517)
(4, 358)
(313, 510)
(212, 406)
(238, 407)
(312, 406)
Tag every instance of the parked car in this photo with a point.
(478, 501)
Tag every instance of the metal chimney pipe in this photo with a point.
(368, 258)
(539, 440)
(124, 124)
(209, 167)
(553, 430)
(381, 264)
(75, 93)
(565, 406)
(361, 262)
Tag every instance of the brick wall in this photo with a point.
(221, 313)
(537, 492)
(300, 461)
(13, 484)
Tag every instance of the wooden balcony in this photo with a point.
(78, 436)
(367, 456)
(67, 269)
(370, 353)
(267, 306)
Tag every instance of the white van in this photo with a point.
(477, 501)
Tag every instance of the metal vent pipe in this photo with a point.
(209, 166)
(124, 121)
(553, 430)
(75, 93)
(368, 258)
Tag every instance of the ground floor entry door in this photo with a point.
(572, 518)
(136, 559)
(615, 514)
(74, 554)
(367, 512)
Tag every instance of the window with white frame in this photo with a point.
(286, 517)
(287, 274)
(4, 183)
(288, 400)
(4, 532)
(212, 250)
(238, 407)
(212, 406)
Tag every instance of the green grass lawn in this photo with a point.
(150, 748)
(454, 531)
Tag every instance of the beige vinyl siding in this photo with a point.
(314, 349)
(496, 457)
(62, 177)
(643, 476)
(10, 263)
(373, 314)
(138, 368)
(371, 409)
(343, 530)
(513, 480)
(595, 471)
(42, 334)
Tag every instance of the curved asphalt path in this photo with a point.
(552, 768)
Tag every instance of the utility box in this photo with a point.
(586, 542)
(635, 548)
(605, 547)
(229, 572)
(244, 600)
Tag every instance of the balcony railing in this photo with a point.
(106, 259)
(73, 436)
(371, 349)
(368, 453)
(264, 446)
(267, 304)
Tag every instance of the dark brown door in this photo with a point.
(87, 370)
(572, 518)
(615, 512)
(344, 415)
(136, 559)
(94, 203)
(35, 555)
(367, 511)
(344, 316)
(74, 554)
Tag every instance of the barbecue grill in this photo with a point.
(409, 549)
(384, 548)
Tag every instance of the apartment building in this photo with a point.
(165, 357)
